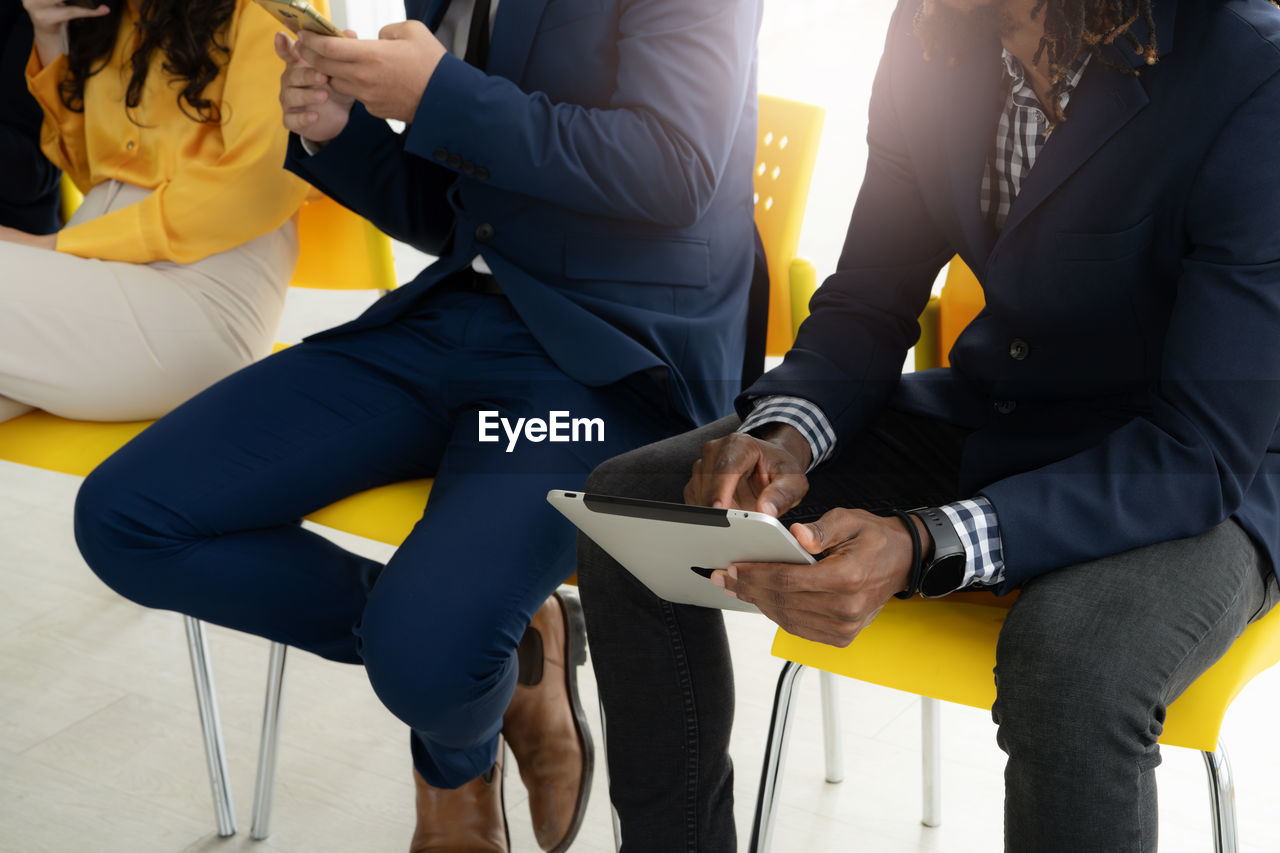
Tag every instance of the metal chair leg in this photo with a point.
(214, 747)
(829, 685)
(613, 813)
(1222, 800)
(268, 744)
(931, 759)
(774, 753)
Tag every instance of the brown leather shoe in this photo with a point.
(545, 725)
(469, 819)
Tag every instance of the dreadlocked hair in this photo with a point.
(191, 36)
(1073, 28)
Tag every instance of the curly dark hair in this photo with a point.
(1072, 28)
(191, 35)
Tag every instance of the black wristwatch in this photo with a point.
(944, 573)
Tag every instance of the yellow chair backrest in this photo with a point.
(338, 250)
(947, 315)
(787, 147)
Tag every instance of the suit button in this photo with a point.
(454, 161)
(440, 154)
(468, 168)
(482, 174)
(1004, 407)
(1019, 349)
(484, 232)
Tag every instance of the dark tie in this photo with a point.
(478, 36)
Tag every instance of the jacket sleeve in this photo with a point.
(62, 130)
(214, 202)
(1186, 466)
(366, 169)
(654, 153)
(848, 354)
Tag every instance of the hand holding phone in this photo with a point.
(312, 109)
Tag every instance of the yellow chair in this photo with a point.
(70, 198)
(945, 650)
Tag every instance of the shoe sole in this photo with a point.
(576, 655)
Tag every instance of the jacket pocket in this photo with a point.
(1114, 245)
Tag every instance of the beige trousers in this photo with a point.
(110, 341)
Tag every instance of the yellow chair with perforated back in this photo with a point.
(786, 150)
(945, 649)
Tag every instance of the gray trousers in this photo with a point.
(1088, 659)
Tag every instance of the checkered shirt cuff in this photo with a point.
(798, 412)
(979, 530)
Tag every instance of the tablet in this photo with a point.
(673, 548)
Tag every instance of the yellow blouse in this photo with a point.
(215, 186)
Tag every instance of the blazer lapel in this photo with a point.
(513, 33)
(971, 99)
(1104, 101)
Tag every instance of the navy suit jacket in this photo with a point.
(602, 169)
(1140, 264)
(29, 189)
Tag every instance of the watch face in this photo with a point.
(943, 575)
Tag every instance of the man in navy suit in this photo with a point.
(582, 168)
(1106, 440)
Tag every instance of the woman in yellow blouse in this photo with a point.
(172, 272)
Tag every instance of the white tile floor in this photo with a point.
(100, 744)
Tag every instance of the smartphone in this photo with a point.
(299, 15)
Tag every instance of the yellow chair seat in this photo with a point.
(41, 440)
(385, 514)
(946, 649)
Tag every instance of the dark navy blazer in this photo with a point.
(1139, 270)
(602, 168)
(29, 186)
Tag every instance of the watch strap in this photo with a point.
(945, 571)
(917, 554)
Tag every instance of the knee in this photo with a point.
(617, 475)
(1059, 690)
(444, 685)
(112, 532)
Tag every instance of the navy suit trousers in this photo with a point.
(200, 514)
